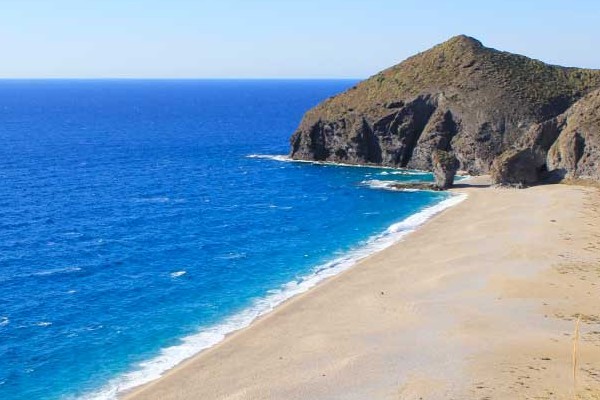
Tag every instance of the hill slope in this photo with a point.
(459, 96)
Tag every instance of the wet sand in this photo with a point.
(479, 303)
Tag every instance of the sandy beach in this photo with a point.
(479, 303)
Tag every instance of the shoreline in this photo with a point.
(404, 171)
(355, 335)
(170, 358)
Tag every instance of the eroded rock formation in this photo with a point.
(444, 166)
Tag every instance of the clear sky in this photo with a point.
(276, 38)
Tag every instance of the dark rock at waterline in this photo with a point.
(414, 186)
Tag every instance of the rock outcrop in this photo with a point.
(517, 168)
(445, 166)
(482, 105)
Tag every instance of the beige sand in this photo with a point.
(477, 304)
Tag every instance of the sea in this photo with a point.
(141, 221)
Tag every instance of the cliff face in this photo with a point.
(458, 97)
(576, 152)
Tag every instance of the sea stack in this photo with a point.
(498, 113)
(444, 166)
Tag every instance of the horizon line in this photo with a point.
(178, 78)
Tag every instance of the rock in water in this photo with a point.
(445, 166)
(460, 96)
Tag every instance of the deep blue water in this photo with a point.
(131, 217)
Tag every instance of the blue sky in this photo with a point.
(276, 39)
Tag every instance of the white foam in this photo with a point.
(271, 157)
(233, 256)
(157, 199)
(4, 321)
(404, 172)
(388, 170)
(73, 234)
(44, 323)
(285, 158)
(209, 336)
(94, 327)
(177, 274)
(388, 185)
(280, 207)
(55, 271)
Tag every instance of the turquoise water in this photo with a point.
(140, 221)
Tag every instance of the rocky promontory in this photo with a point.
(494, 112)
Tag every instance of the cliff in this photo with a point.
(482, 105)
(576, 152)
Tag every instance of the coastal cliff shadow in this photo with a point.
(552, 177)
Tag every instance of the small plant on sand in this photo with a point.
(576, 354)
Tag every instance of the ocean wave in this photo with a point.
(177, 274)
(388, 170)
(280, 207)
(94, 327)
(209, 336)
(73, 234)
(4, 321)
(285, 158)
(56, 271)
(404, 172)
(158, 199)
(274, 157)
(233, 256)
(41, 274)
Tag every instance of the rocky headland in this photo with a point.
(461, 105)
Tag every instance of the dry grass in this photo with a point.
(459, 67)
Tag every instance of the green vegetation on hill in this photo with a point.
(462, 65)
